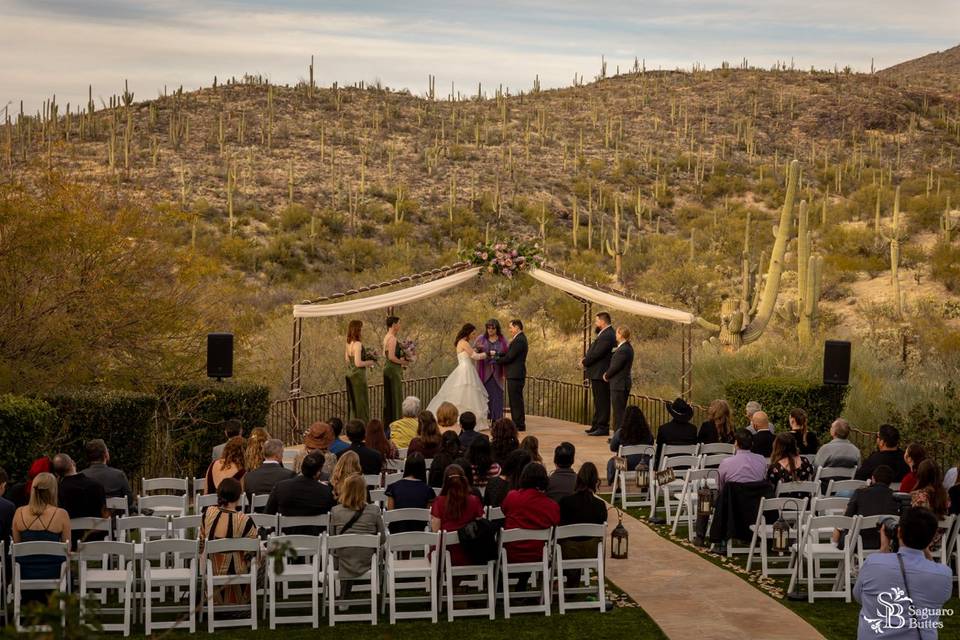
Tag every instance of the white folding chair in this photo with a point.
(832, 506)
(942, 550)
(147, 528)
(813, 550)
(668, 450)
(185, 527)
(717, 447)
(624, 479)
(23, 550)
(485, 577)
(151, 485)
(390, 478)
(843, 486)
(680, 464)
(258, 502)
(541, 567)
(266, 522)
(868, 523)
(163, 505)
(825, 474)
(400, 571)
(712, 460)
(373, 480)
(586, 565)
(101, 576)
(793, 511)
(371, 577)
(203, 501)
(379, 497)
(394, 464)
(495, 513)
(392, 516)
(119, 505)
(289, 522)
(807, 488)
(199, 486)
(304, 577)
(693, 481)
(214, 581)
(90, 525)
(176, 568)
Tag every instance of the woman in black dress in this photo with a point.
(717, 427)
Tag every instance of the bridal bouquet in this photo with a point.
(408, 349)
(367, 354)
(505, 259)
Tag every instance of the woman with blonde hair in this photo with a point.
(230, 465)
(447, 415)
(253, 456)
(717, 427)
(41, 521)
(348, 465)
(354, 515)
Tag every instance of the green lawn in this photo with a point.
(832, 618)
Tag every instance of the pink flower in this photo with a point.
(483, 256)
(514, 253)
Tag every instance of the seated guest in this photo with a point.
(262, 479)
(410, 492)
(875, 499)
(448, 453)
(230, 465)
(354, 515)
(888, 452)
(447, 415)
(762, 434)
(464, 464)
(468, 430)
(634, 431)
(503, 439)
(376, 438)
(41, 521)
(231, 429)
(930, 494)
(678, 431)
(20, 492)
(338, 446)
(532, 444)
(563, 481)
(319, 438)
(807, 442)
(7, 509)
(744, 466)
(509, 478)
(455, 508)
(839, 452)
(749, 409)
(79, 496)
(371, 462)
(582, 507)
(480, 457)
(913, 456)
(404, 430)
(529, 508)
(929, 583)
(427, 442)
(786, 463)
(302, 495)
(253, 456)
(113, 481)
(227, 520)
(347, 465)
(717, 427)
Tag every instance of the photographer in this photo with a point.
(884, 613)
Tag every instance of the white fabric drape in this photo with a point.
(384, 300)
(611, 300)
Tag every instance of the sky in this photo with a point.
(61, 46)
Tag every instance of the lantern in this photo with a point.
(619, 539)
(707, 497)
(643, 476)
(781, 531)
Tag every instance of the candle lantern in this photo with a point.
(619, 540)
(643, 476)
(781, 532)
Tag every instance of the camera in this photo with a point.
(890, 528)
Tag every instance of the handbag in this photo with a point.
(478, 539)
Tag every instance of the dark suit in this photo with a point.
(678, 432)
(620, 380)
(371, 462)
(596, 362)
(763, 443)
(301, 496)
(262, 479)
(514, 363)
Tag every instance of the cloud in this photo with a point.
(61, 46)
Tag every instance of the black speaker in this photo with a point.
(219, 355)
(836, 362)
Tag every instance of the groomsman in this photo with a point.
(619, 375)
(514, 363)
(595, 364)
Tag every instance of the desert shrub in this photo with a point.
(294, 217)
(935, 423)
(333, 222)
(945, 266)
(851, 248)
(26, 432)
(359, 253)
(777, 396)
(123, 419)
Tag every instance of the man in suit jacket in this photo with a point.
(679, 431)
(763, 439)
(263, 479)
(514, 363)
(303, 495)
(595, 363)
(619, 375)
(231, 429)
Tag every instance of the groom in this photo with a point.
(595, 364)
(514, 363)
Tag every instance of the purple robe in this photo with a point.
(492, 374)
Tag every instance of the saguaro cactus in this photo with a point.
(616, 246)
(894, 237)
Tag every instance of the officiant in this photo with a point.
(491, 373)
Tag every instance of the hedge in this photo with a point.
(26, 431)
(194, 414)
(123, 419)
(823, 403)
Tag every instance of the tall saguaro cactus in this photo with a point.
(616, 246)
(805, 311)
(893, 238)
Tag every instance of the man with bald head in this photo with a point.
(79, 496)
(763, 438)
(839, 452)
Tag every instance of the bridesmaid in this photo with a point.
(392, 373)
(492, 374)
(355, 356)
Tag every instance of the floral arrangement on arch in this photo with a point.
(504, 259)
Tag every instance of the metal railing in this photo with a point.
(558, 399)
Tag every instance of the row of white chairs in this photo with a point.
(305, 565)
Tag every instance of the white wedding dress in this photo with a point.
(463, 389)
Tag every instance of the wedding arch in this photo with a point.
(430, 283)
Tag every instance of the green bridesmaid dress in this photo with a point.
(357, 390)
(392, 388)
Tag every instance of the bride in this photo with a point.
(463, 388)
